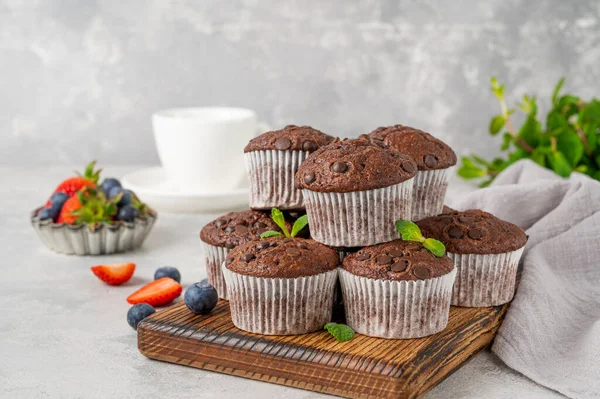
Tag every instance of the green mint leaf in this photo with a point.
(469, 172)
(559, 164)
(341, 332)
(299, 224)
(557, 88)
(496, 124)
(435, 247)
(271, 233)
(279, 220)
(409, 231)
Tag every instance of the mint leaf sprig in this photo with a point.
(568, 141)
(279, 220)
(411, 232)
(341, 332)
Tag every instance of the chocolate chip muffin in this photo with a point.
(434, 160)
(397, 290)
(486, 251)
(225, 233)
(272, 160)
(281, 286)
(354, 191)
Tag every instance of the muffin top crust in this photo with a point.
(397, 260)
(237, 228)
(281, 257)
(473, 232)
(354, 165)
(290, 138)
(429, 152)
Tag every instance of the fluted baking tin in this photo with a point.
(103, 239)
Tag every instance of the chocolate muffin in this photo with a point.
(397, 290)
(272, 160)
(225, 233)
(281, 286)
(486, 251)
(354, 191)
(434, 160)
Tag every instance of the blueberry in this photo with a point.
(167, 271)
(58, 199)
(201, 298)
(128, 213)
(138, 313)
(109, 183)
(127, 197)
(114, 191)
(47, 213)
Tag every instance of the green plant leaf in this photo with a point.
(517, 155)
(539, 155)
(480, 160)
(496, 124)
(569, 143)
(559, 163)
(341, 332)
(299, 224)
(409, 231)
(271, 233)
(486, 183)
(557, 88)
(507, 138)
(279, 220)
(531, 131)
(591, 134)
(435, 247)
(590, 113)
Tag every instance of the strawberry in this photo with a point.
(157, 293)
(115, 274)
(73, 184)
(88, 206)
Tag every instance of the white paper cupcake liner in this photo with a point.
(359, 218)
(485, 280)
(280, 306)
(396, 309)
(214, 257)
(429, 192)
(271, 174)
(104, 239)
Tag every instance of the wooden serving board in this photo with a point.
(361, 368)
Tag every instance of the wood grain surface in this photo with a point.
(361, 368)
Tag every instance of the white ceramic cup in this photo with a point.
(202, 149)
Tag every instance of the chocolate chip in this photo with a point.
(229, 245)
(400, 266)
(263, 245)
(229, 229)
(260, 231)
(421, 272)
(241, 229)
(430, 160)
(384, 259)
(409, 167)
(302, 245)
(395, 253)
(465, 219)
(309, 178)
(283, 143)
(309, 146)
(220, 223)
(247, 257)
(259, 225)
(475, 233)
(455, 232)
(294, 215)
(363, 256)
(229, 261)
(293, 251)
(378, 143)
(339, 167)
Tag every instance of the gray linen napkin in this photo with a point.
(551, 332)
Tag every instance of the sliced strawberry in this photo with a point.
(115, 274)
(72, 185)
(66, 213)
(157, 293)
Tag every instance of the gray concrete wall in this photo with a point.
(80, 79)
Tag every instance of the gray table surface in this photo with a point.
(63, 334)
